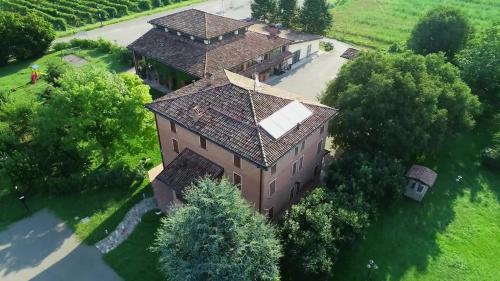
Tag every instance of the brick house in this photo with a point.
(262, 139)
(189, 45)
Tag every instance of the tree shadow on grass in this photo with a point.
(405, 235)
(104, 207)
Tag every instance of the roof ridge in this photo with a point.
(261, 145)
(206, 24)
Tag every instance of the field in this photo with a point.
(69, 14)
(378, 23)
(453, 234)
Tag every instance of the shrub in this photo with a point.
(156, 3)
(491, 155)
(23, 37)
(144, 5)
(480, 64)
(378, 176)
(327, 46)
(314, 231)
(58, 46)
(55, 69)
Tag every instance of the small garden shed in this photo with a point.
(420, 179)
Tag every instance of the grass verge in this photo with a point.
(132, 259)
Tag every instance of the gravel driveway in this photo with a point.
(42, 248)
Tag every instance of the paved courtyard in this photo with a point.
(310, 77)
(42, 248)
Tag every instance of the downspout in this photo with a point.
(159, 141)
(260, 192)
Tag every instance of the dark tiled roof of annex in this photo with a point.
(197, 58)
(226, 110)
(187, 168)
(200, 24)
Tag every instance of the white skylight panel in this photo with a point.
(283, 120)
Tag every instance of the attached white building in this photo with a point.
(304, 44)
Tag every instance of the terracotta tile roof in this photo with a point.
(423, 174)
(197, 58)
(186, 168)
(200, 24)
(227, 112)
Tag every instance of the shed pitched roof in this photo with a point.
(228, 112)
(199, 23)
(197, 58)
(186, 168)
(423, 174)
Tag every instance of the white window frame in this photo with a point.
(296, 150)
(302, 145)
(301, 162)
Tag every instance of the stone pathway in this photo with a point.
(75, 60)
(125, 228)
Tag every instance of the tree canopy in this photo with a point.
(400, 104)
(442, 29)
(86, 126)
(315, 17)
(288, 12)
(216, 235)
(313, 232)
(23, 36)
(480, 65)
(264, 9)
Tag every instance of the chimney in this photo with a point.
(192, 81)
(195, 113)
(298, 126)
(210, 78)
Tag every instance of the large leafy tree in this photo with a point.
(401, 104)
(217, 236)
(23, 36)
(314, 231)
(480, 64)
(288, 12)
(377, 176)
(264, 9)
(441, 30)
(315, 17)
(92, 120)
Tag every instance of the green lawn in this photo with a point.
(453, 234)
(132, 260)
(18, 75)
(378, 23)
(105, 208)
